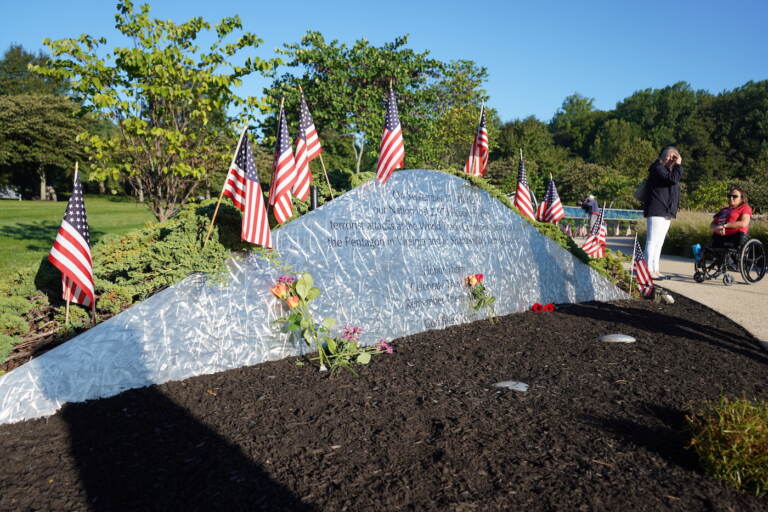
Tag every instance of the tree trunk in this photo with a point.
(358, 154)
(102, 188)
(41, 173)
(141, 192)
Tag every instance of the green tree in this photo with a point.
(16, 78)
(346, 87)
(575, 123)
(542, 156)
(168, 99)
(38, 141)
(619, 144)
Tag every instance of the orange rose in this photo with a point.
(292, 302)
(279, 290)
(471, 280)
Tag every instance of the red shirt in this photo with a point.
(728, 215)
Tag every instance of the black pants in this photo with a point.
(728, 241)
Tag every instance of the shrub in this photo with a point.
(127, 269)
(730, 438)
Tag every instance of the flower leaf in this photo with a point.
(364, 358)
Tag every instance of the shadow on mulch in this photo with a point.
(190, 467)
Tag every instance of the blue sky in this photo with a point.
(537, 53)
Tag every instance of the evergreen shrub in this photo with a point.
(730, 438)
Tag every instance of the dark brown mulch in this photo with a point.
(601, 428)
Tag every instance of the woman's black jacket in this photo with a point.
(662, 192)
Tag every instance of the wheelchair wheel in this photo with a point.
(698, 277)
(727, 279)
(708, 265)
(752, 261)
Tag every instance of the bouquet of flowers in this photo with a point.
(480, 296)
(333, 352)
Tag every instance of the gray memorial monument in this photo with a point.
(388, 258)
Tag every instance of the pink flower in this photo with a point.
(549, 307)
(385, 347)
(351, 333)
(537, 308)
(286, 279)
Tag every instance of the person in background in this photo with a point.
(589, 205)
(731, 224)
(662, 197)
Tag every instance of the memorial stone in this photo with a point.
(390, 258)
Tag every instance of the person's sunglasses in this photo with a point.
(734, 196)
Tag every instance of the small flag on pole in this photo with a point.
(641, 272)
(594, 245)
(523, 193)
(550, 209)
(477, 161)
(284, 176)
(392, 149)
(255, 226)
(234, 186)
(71, 252)
(307, 149)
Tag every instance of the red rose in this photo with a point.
(479, 277)
(537, 308)
(549, 307)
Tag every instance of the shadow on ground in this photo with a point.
(142, 451)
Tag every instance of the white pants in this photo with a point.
(657, 228)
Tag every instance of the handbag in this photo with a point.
(641, 190)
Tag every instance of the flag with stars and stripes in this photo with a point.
(392, 149)
(284, 175)
(234, 186)
(71, 252)
(255, 225)
(477, 162)
(641, 272)
(307, 149)
(594, 245)
(523, 193)
(550, 208)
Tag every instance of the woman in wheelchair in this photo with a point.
(731, 249)
(731, 224)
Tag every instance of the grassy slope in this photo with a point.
(28, 228)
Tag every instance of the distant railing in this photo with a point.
(575, 212)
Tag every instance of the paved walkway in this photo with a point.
(746, 304)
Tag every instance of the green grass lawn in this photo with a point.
(28, 228)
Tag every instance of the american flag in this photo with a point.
(523, 193)
(284, 175)
(640, 271)
(307, 149)
(71, 252)
(234, 187)
(391, 150)
(477, 161)
(255, 226)
(594, 245)
(550, 208)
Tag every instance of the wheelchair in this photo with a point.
(747, 256)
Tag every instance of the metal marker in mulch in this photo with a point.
(513, 385)
(616, 338)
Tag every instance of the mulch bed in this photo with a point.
(601, 428)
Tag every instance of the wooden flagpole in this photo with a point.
(632, 267)
(322, 163)
(221, 196)
(476, 161)
(66, 314)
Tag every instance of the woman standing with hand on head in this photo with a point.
(662, 197)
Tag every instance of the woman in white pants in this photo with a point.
(661, 200)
